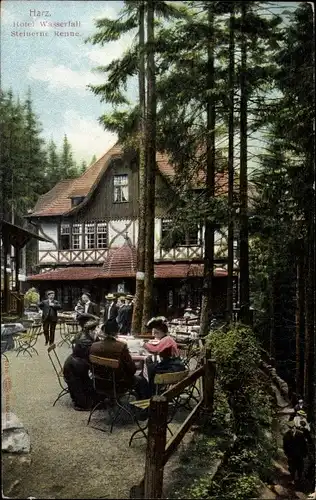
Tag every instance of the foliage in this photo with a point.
(29, 167)
(242, 405)
(283, 208)
(31, 297)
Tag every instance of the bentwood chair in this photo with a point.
(58, 369)
(26, 342)
(68, 330)
(163, 381)
(105, 384)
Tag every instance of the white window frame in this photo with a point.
(102, 235)
(120, 188)
(65, 231)
(89, 236)
(76, 237)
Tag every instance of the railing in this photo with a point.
(158, 450)
(187, 252)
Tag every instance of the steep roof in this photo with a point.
(53, 198)
(58, 200)
(120, 261)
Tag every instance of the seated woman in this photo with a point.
(76, 370)
(167, 350)
(110, 347)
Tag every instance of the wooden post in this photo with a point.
(208, 382)
(156, 445)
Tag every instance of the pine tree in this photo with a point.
(208, 283)
(150, 150)
(83, 167)
(230, 236)
(93, 160)
(54, 172)
(141, 240)
(68, 166)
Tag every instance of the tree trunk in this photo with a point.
(210, 182)
(272, 305)
(299, 322)
(309, 361)
(230, 239)
(139, 294)
(151, 169)
(244, 250)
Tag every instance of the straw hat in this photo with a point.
(129, 297)
(122, 297)
(110, 296)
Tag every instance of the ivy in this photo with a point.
(243, 406)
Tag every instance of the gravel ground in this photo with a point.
(69, 458)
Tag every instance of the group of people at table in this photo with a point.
(159, 354)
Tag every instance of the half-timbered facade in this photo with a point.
(85, 221)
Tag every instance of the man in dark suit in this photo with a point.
(129, 312)
(110, 347)
(125, 315)
(49, 307)
(111, 309)
(88, 310)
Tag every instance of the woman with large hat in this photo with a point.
(166, 348)
(76, 368)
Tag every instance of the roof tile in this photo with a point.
(162, 271)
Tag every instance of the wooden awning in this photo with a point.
(16, 235)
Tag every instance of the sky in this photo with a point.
(58, 69)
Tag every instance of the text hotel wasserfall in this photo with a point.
(42, 27)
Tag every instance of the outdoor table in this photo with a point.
(138, 352)
(9, 331)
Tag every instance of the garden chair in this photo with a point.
(163, 381)
(68, 330)
(192, 356)
(25, 343)
(112, 394)
(58, 369)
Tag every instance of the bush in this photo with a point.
(31, 297)
(241, 394)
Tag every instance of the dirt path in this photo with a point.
(69, 459)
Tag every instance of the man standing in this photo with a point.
(129, 312)
(88, 310)
(121, 314)
(111, 309)
(295, 449)
(49, 308)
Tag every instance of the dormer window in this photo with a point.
(76, 200)
(120, 188)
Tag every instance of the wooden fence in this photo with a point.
(159, 450)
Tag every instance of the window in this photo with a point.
(76, 236)
(166, 225)
(190, 238)
(76, 200)
(89, 236)
(120, 184)
(65, 236)
(102, 235)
